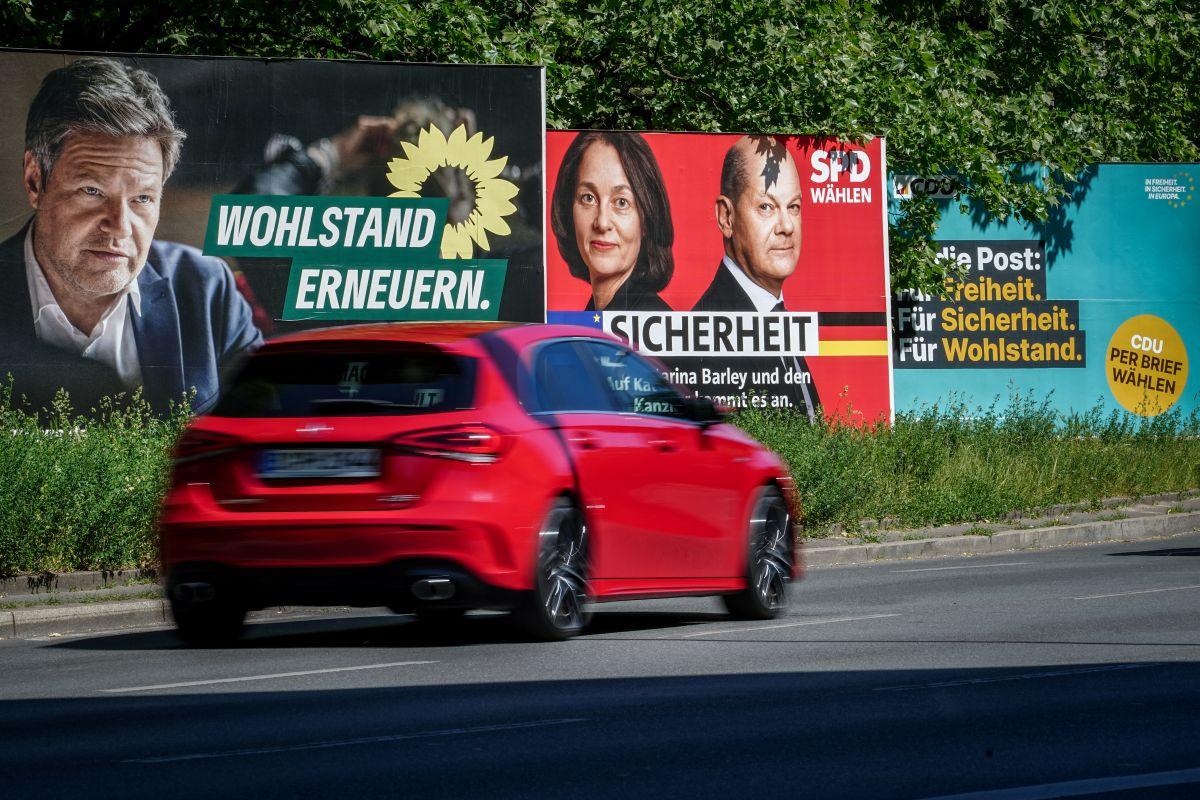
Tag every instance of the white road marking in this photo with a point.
(397, 737)
(1027, 676)
(787, 625)
(273, 676)
(969, 566)
(1141, 591)
(1117, 783)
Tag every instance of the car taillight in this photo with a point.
(194, 445)
(477, 444)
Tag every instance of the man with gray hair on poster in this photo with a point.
(89, 301)
(758, 214)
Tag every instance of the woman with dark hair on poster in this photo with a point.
(612, 220)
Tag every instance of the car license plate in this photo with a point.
(319, 463)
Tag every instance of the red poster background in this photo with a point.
(843, 256)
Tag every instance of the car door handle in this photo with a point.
(582, 442)
(664, 445)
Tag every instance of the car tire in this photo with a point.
(555, 609)
(769, 559)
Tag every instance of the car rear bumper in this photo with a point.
(405, 585)
(485, 552)
(475, 529)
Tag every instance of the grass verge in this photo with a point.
(951, 464)
(55, 600)
(81, 491)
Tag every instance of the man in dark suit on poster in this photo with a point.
(758, 213)
(89, 300)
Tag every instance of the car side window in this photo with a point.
(562, 381)
(635, 384)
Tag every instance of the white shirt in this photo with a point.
(111, 342)
(764, 301)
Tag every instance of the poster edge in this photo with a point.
(887, 278)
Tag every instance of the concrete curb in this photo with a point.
(69, 581)
(25, 622)
(1132, 529)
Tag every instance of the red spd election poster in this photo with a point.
(753, 267)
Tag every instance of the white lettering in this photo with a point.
(329, 220)
(262, 228)
(441, 290)
(423, 225)
(326, 295)
(307, 277)
(233, 221)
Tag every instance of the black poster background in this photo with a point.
(231, 108)
(1004, 287)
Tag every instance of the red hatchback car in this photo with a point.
(436, 468)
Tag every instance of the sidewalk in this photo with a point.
(79, 602)
(1118, 520)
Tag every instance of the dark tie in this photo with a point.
(797, 365)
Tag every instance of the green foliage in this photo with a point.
(956, 464)
(80, 493)
(972, 87)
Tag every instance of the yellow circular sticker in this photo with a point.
(1147, 365)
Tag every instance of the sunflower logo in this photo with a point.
(460, 168)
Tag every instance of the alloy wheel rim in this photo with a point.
(771, 554)
(563, 570)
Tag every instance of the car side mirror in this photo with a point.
(705, 411)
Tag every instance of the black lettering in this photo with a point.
(618, 327)
(751, 333)
(724, 328)
(674, 334)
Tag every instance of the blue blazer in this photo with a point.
(194, 323)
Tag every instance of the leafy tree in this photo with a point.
(971, 87)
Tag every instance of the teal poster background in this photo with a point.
(1126, 244)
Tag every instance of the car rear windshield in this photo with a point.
(358, 382)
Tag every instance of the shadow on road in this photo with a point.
(882, 733)
(1171, 551)
(399, 631)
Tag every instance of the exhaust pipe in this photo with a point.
(196, 592)
(433, 589)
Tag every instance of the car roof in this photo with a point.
(433, 332)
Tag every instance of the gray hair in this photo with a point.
(99, 95)
(734, 173)
(735, 170)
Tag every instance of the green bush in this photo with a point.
(81, 491)
(945, 464)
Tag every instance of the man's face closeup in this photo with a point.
(763, 224)
(96, 214)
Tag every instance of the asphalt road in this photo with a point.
(1072, 672)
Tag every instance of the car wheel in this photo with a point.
(769, 566)
(554, 610)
